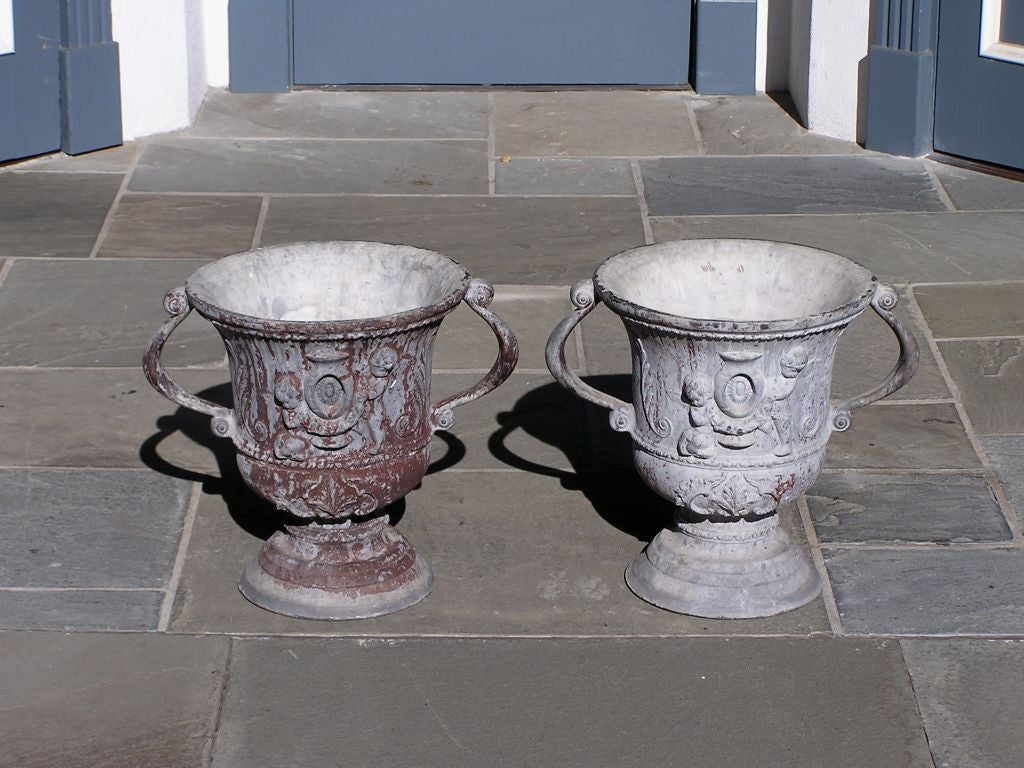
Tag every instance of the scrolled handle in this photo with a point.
(479, 296)
(622, 417)
(178, 307)
(883, 302)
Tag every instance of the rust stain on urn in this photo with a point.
(330, 349)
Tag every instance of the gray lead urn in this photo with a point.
(732, 349)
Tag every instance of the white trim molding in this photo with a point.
(6, 27)
(991, 46)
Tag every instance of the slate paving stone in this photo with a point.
(81, 610)
(110, 418)
(868, 350)
(990, 377)
(105, 528)
(43, 214)
(970, 190)
(691, 186)
(97, 313)
(595, 123)
(966, 691)
(910, 247)
(928, 591)
(1006, 454)
(759, 125)
(864, 507)
(338, 167)
(85, 700)
(581, 702)
(180, 226)
(513, 552)
(564, 176)
(343, 115)
(903, 437)
(466, 342)
(509, 240)
(113, 160)
(980, 309)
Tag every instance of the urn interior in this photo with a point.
(755, 283)
(328, 282)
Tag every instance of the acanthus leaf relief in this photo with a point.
(330, 496)
(651, 394)
(733, 495)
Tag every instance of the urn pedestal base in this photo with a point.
(731, 570)
(348, 571)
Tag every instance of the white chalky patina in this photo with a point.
(733, 343)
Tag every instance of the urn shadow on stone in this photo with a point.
(732, 345)
(330, 348)
(618, 495)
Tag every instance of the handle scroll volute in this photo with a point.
(622, 417)
(178, 307)
(478, 297)
(883, 302)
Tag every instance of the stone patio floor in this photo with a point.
(125, 526)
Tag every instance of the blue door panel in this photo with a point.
(979, 101)
(30, 117)
(490, 42)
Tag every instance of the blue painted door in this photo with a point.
(30, 116)
(491, 42)
(979, 81)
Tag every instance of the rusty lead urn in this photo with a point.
(732, 348)
(330, 350)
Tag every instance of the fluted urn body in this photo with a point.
(330, 346)
(733, 343)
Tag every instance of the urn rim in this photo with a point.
(843, 312)
(458, 277)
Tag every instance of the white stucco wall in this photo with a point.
(171, 51)
(827, 75)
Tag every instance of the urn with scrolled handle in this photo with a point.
(732, 344)
(330, 347)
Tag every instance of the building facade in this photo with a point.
(903, 76)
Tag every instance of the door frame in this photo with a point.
(722, 43)
(901, 92)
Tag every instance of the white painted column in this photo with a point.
(215, 37)
(171, 52)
